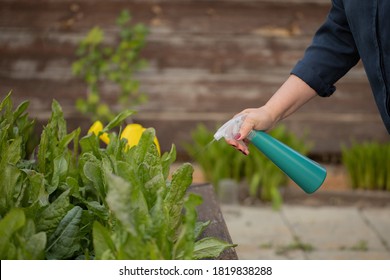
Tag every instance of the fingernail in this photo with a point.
(237, 136)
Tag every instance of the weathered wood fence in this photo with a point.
(208, 59)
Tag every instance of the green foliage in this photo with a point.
(99, 63)
(368, 165)
(92, 202)
(220, 161)
(296, 245)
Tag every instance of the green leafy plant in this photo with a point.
(99, 63)
(220, 161)
(361, 245)
(90, 202)
(368, 165)
(296, 245)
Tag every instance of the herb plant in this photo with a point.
(368, 165)
(89, 202)
(99, 63)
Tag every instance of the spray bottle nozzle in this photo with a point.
(230, 129)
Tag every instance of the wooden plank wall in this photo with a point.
(208, 59)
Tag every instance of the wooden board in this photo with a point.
(209, 210)
(207, 60)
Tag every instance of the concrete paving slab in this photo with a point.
(256, 226)
(249, 252)
(379, 218)
(348, 255)
(259, 232)
(332, 228)
(305, 232)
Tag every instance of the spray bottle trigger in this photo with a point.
(230, 130)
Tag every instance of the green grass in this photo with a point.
(296, 245)
(367, 165)
(361, 246)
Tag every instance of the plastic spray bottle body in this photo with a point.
(305, 172)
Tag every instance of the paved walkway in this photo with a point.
(309, 232)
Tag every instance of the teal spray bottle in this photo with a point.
(306, 173)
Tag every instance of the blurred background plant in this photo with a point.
(219, 161)
(368, 165)
(99, 62)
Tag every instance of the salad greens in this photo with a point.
(73, 199)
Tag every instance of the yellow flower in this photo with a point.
(133, 132)
(96, 128)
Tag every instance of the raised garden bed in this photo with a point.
(210, 211)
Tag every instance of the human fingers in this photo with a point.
(238, 145)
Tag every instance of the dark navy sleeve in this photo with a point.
(331, 54)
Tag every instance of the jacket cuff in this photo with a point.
(313, 79)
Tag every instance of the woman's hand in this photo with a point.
(293, 94)
(255, 119)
